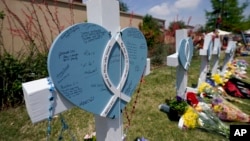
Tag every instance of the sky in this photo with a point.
(170, 10)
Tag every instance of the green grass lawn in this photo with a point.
(146, 120)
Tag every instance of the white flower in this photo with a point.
(200, 122)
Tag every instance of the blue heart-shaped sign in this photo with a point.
(95, 71)
(185, 53)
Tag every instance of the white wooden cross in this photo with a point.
(229, 55)
(216, 55)
(206, 54)
(106, 14)
(174, 61)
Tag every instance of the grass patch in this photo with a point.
(146, 121)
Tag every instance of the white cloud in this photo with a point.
(162, 10)
(165, 9)
(171, 11)
(182, 4)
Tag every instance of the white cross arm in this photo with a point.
(36, 95)
(172, 60)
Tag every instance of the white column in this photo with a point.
(229, 55)
(172, 60)
(216, 55)
(205, 53)
(106, 13)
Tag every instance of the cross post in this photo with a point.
(106, 13)
(216, 55)
(206, 54)
(181, 61)
(229, 55)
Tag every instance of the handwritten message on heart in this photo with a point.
(95, 71)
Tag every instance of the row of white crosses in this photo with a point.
(210, 52)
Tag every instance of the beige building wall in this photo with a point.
(23, 16)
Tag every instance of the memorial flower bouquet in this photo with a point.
(234, 80)
(227, 111)
(196, 114)
(206, 90)
(202, 119)
(240, 67)
(236, 69)
(219, 102)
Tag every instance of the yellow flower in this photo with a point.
(190, 118)
(228, 74)
(203, 86)
(218, 79)
(217, 108)
(231, 67)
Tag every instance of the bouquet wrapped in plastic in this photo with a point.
(195, 114)
(220, 104)
(233, 80)
(239, 67)
(206, 90)
(227, 111)
(203, 119)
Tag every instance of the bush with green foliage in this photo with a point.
(15, 71)
(160, 53)
(155, 39)
(22, 66)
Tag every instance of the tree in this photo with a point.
(175, 25)
(226, 15)
(123, 6)
(151, 30)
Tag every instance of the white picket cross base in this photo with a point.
(181, 72)
(206, 54)
(229, 55)
(216, 56)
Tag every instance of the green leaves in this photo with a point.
(179, 106)
(14, 71)
(230, 13)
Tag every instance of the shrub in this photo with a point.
(14, 71)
